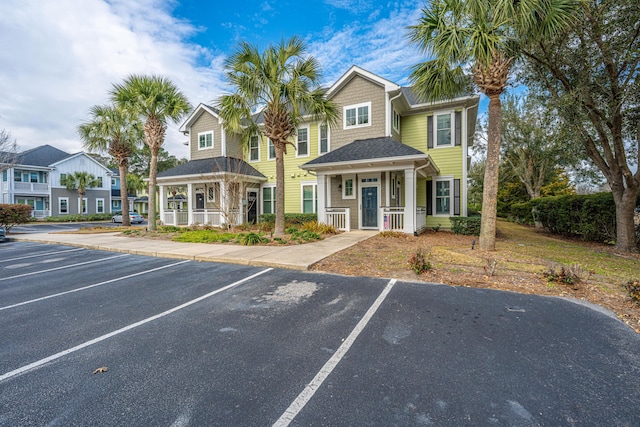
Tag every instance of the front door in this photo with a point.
(199, 201)
(369, 207)
(252, 207)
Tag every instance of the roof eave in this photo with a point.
(380, 160)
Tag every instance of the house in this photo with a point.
(34, 179)
(392, 162)
(116, 199)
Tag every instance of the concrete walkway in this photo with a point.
(298, 257)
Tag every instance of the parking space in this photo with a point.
(189, 343)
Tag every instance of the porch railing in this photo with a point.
(175, 217)
(421, 218)
(209, 217)
(340, 218)
(31, 187)
(393, 218)
(39, 213)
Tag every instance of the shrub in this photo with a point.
(633, 289)
(419, 262)
(291, 230)
(169, 229)
(251, 239)
(11, 215)
(204, 236)
(305, 236)
(290, 219)
(569, 275)
(318, 227)
(468, 226)
(389, 233)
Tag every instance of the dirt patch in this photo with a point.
(521, 258)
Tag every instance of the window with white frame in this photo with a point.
(205, 140)
(271, 149)
(302, 142)
(442, 197)
(99, 182)
(324, 139)
(348, 187)
(357, 115)
(113, 182)
(99, 205)
(63, 205)
(84, 205)
(269, 200)
(254, 148)
(443, 130)
(396, 121)
(212, 191)
(309, 198)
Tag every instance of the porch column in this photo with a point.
(322, 199)
(387, 189)
(190, 200)
(163, 201)
(409, 201)
(224, 202)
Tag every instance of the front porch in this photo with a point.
(391, 218)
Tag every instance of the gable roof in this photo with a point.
(213, 166)
(388, 85)
(367, 149)
(42, 156)
(196, 113)
(82, 154)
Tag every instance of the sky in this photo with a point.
(60, 57)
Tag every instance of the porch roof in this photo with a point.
(213, 166)
(373, 152)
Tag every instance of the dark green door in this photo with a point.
(370, 207)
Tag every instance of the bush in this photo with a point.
(169, 229)
(318, 227)
(11, 215)
(419, 262)
(305, 236)
(79, 218)
(633, 289)
(251, 239)
(290, 219)
(568, 275)
(468, 226)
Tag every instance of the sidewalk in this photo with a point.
(297, 257)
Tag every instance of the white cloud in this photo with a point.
(64, 56)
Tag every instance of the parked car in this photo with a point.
(3, 234)
(134, 217)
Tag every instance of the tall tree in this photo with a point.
(283, 83)
(80, 181)
(481, 34)
(8, 150)
(113, 130)
(156, 100)
(590, 72)
(140, 161)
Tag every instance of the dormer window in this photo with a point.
(205, 140)
(358, 115)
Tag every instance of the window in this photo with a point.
(113, 182)
(443, 130)
(357, 115)
(212, 192)
(205, 140)
(34, 177)
(396, 121)
(443, 197)
(116, 204)
(4, 175)
(309, 198)
(254, 148)
(324, 139)
(99, 182)
(63, 176)
(272, 150)
(63, 205)
(84, 205)
(268, 200)
(99, 205)
(348, 192)
(302, 142)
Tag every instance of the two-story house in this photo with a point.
(34, 179)
(392, 162)
(116, 199)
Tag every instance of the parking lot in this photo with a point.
(100, 338)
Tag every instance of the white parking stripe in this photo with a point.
(61, 268)
(40, 254)
(308, 392)
(51, 358)
(91, 286)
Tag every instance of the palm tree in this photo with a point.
(115, 131)
(483, 35)
(80, 181)
(156, 100)
(283, 83)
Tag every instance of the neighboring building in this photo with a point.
(34, 180)
(116, 199)
(392, 162)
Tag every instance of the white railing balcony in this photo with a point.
(392, 218)
(39, 213)
(208, 217)
(31, 187)
(175, 217)
(421, 218)
(339, 218)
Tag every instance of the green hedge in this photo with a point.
(79, 218)
(591, 217)
(468, 226)
(289, 218)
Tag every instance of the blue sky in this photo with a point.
(60, 57)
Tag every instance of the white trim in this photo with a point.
(356, 107)
(361, 186)
(84, 208)
(269, 151)
(452, 129)
(209, 132)
(313, 184)
(345, 178)
(308, 129)
(395, 113)
(197, 112)
(320, 152)
(60, 199)
(273, 198)
(435, 180)
(223, 141)
(103, 206)
(355, 70)
(258, 141)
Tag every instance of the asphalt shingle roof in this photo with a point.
(213, 165)
(363, 149)
(44, 155)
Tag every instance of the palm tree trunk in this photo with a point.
(279, 227)
(490, 193)
(153, 171)
(80, 210)
(122, 168)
